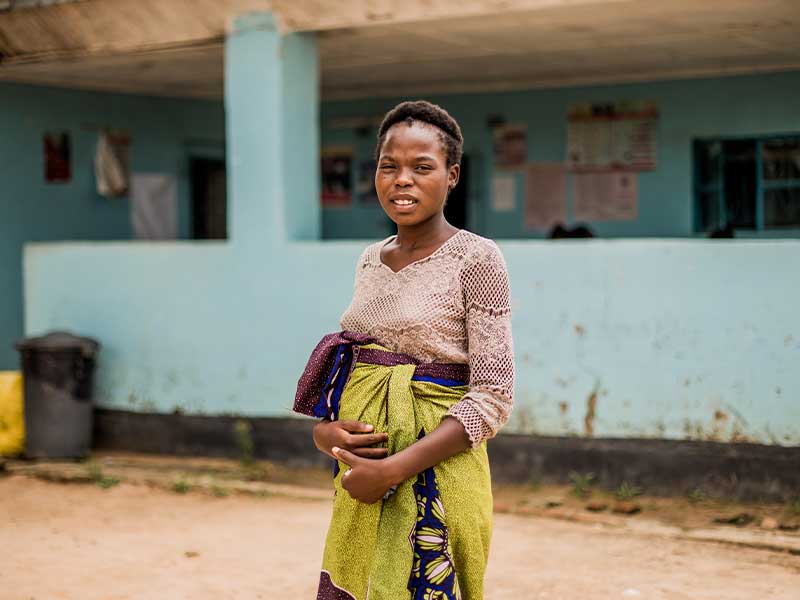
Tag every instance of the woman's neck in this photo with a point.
(428, 233)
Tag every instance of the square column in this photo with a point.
(272, 130)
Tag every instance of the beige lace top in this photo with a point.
(452, 306)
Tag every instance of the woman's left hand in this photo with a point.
(367, 479)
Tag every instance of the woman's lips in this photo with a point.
(404, 204)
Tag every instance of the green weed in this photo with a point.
(243, 432)
(219, 492)
(627, 492)
(181, 486)
(696, 496)
(793, 508)
(581, 484)
(95, 472)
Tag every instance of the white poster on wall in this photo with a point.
(545, 195)
(154, 206)
(610, 196)
(504, 190)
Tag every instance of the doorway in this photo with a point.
(209, 199)
(455, 211)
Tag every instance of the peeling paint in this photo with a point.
(591, 411)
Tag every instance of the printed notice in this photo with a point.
(545, 195)
(504, 189)
(606, 196)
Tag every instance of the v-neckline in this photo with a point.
(419, 260)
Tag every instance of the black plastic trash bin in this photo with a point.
(58, 375)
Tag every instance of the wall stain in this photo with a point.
(580, 329)
(563, 407)
(561, 382)
(591, 412)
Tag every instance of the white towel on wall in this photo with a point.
(154, 206)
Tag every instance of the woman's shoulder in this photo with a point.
(479, 249)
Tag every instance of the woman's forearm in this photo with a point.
(448, 439)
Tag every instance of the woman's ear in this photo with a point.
(453, 173)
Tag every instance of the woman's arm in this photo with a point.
(368, 480)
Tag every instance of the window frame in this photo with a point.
(718, 187)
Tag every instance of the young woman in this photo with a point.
(421, 375)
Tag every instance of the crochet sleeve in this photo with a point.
(485, 408)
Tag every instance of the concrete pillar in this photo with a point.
(272, 130)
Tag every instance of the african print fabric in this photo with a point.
(429, 539)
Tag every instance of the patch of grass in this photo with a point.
(181, 486)
(696, 496)
(219, 492)
(255, 472)
(95, 472)
(627, 492)
(581, 484)
(793, 508)
(243, 433)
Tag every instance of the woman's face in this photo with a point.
(412, 178)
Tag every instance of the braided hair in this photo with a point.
(426, 112)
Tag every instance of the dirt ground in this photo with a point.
(81, 542)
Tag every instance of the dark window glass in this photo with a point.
(740, 183)
(709, 211)
(782, 208)
(781, 159)
(708, 157)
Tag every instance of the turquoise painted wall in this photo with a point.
(164, 134)
(732, 106)
(675, 338)
(679, 339)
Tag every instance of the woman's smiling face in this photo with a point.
(412, 178)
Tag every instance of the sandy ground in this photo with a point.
(80, 542)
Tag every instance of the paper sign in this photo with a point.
(510, 146)
(545, 195)
(612, 136)
(504, 191)
(606, 196)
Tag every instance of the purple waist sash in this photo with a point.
(323, 380)
(456, 373)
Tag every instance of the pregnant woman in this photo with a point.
(421, 375)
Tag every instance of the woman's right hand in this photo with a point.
(354, 436)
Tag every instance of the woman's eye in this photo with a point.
(423, 168)
(386, 167)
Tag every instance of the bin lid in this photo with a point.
(56, 341)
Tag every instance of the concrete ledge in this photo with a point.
(660, 467)
(749, 472)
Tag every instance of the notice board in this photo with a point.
(612, 136)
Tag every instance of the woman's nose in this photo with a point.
(403, 178)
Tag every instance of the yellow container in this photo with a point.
(12, 416)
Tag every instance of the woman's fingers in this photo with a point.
(346, 457)
(367, 439)
(371, 452)
(356, 426)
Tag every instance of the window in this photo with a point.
(747, 183)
